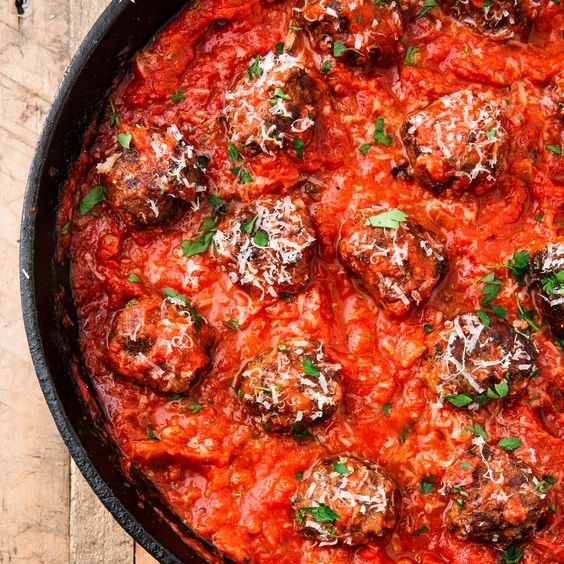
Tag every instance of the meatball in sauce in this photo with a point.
(290, 386)
(497, 498)
(357, 32)
(456, 142)
(346, 500)
(399, 267)
(472, 362)
(147, 182)
(268, 245)
(162, 343)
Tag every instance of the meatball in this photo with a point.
(348, 500)
(290, 386)
(498, 20)
(398, 267)
(369, 31)
(268, 245)
(161, 343)
(272, 106)
(147, 181)
(472, 362)
(496, 497)
(455, 142)
(547, 272)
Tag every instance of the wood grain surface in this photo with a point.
(47, 511)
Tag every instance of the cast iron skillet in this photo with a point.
(46, 296)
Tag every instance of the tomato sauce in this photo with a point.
(229, 481)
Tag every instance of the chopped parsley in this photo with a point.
(194, 407)
(380, 136)
(282, 347)
(427, 5)
(233, 152)
(203, 161)
(409, 59)
(556, 149)
(364, 148)
(310, 369)
(420, 531)
(491, 134)
(387, 220)
(500, 390)
(179, 95)
(466, 465)
(338, 48)
(427, 485)
(279, 48)
(66, 228)
(509, 443)
(124, 139)
(326, 67)
(478, 430)
(484, 317)
(499, 310)
(242, 174)
(197, 319)
(512, 555)
(299, 146)
(216, 201)
(460, 400)
(133, 278)
(249, 227)
(403, 434)
(340, 468)
(322, 514)
(92, 199)
(299, 476)
(254, 70)
(114, 117)
(428, 328)
(152, 434)
(201, 243)
(526, 314)
(491, 289)
(261, 238)
(232, 324)
(386, 408)
(517, 264)
(279, 95)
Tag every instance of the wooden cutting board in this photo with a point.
(47, 511)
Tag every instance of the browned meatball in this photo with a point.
(455, 142)
(497, 19)
(147, 182)
(290, 386)
(398, 267)
(497, 499)
(272, 106)
(471, 362)
(348, 500)
(268, 245)
(161, 343)
(547, 271)
(355, 32)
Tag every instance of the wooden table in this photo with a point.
(47, 512)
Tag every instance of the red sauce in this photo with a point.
(233, 483)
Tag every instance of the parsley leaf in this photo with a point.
(420, 531)
(198, 245)
(427, 485)
(364, 148)
(386, 408)
(379, 135)
(512, 555)
(203, 161)
(261, 238)
(484, 318)
(340, 468)
(66, 228)
(491, 289)
(526, 314)
(124, 139)
(197, 319)
(478, 430)
(326, 67)
(299, 146)
(460, 400)
(114, 117)
(232, 324)
(250, 225)
(233, 152)
(254, 70)
(194, 407)
(133, 278)
(92, 199)
(338, 48)
(310, 369)
(427, 5)
(509, 443)
(322, 513)
(152, 434)
(466, 465)
(390, 219)
(556, 149)
(179, 95)
(409, 59)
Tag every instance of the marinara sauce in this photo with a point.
(229, 477)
